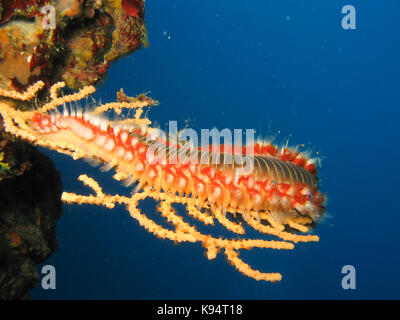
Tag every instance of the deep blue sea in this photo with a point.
(287, 69)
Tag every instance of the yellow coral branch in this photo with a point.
(27, 95)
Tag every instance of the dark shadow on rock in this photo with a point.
(30, 205)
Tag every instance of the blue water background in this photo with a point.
(289, 70)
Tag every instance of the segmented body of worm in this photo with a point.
(279, 197)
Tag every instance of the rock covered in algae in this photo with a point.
(78, 48)
(30, 205)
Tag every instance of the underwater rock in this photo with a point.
(86, 35)
(30, 205)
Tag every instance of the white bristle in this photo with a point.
(128, 156)
(65, 111)
(106, 167)
(116, 129)
(101, 140)
(92, 161)
(79, 112)
(86, 116)
(103, 125)
(120, 152)
(95, 121)
(128, 181)
(311, 161)
(124, 136)
(109, 145)
(134, 141)
(137, 188)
